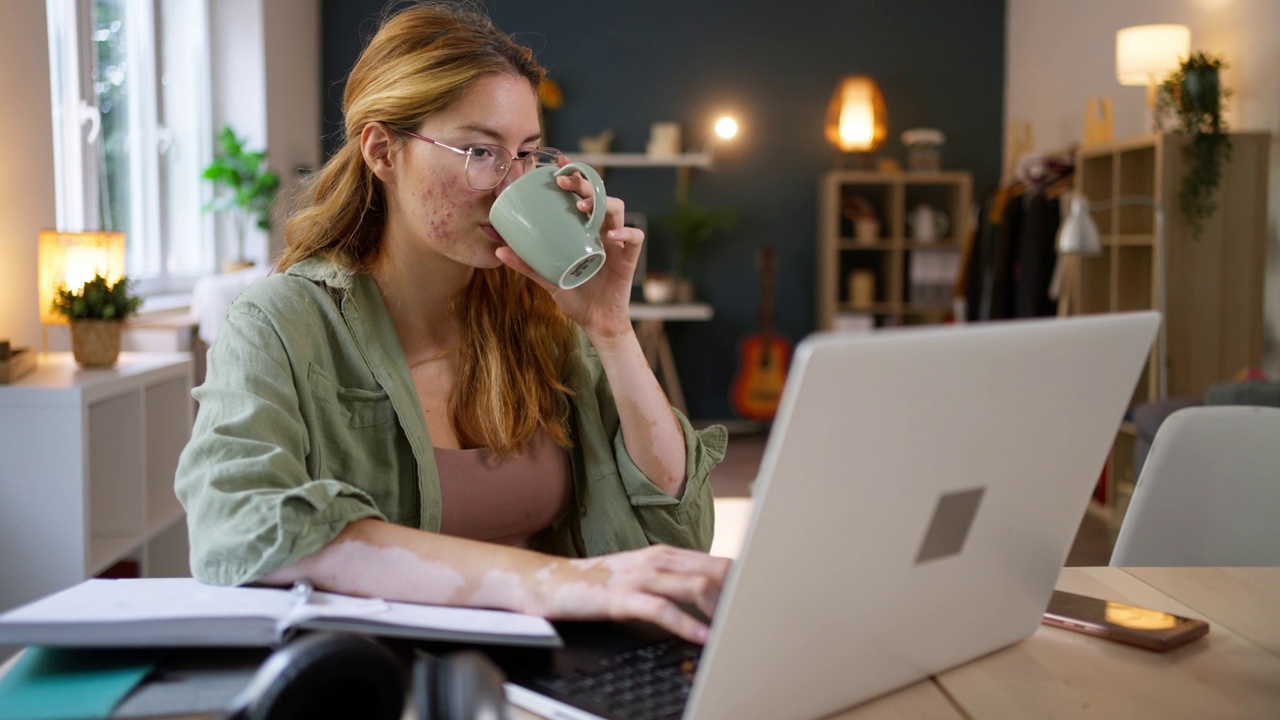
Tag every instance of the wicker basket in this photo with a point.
(95, 343)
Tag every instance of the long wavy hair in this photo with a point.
(517, 347)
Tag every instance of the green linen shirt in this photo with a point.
(309, 420)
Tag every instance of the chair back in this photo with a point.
(1209, 493)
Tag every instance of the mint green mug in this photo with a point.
(541, 223)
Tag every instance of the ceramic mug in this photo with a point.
(541, 223)
(927, 224)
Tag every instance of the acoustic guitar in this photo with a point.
(763, 357)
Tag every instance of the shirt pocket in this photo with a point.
(356, 438)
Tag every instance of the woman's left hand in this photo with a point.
(600, 305)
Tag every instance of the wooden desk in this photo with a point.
(1234, 672)
(650, 322)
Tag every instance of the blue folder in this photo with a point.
(71, 684)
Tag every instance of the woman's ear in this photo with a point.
(376, 142)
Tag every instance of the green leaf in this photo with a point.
(241, 179)
(96, 300)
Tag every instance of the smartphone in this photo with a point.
(1130, 624)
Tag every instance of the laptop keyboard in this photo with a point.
(649, 682)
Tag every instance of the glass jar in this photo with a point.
(924, 149)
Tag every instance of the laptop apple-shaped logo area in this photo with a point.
(949, 528)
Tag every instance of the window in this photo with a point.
(131, 115)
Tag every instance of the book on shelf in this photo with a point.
(932, 276)
(175, 612)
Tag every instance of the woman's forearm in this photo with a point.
(379, 559)
(375, 558)
(650, 430)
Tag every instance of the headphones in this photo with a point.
(336, 675)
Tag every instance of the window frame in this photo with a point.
(169, 135)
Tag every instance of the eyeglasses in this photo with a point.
(487, 165)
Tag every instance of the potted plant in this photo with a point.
(692, 226)
(1193, 95)
(244, 189)
(96, 313)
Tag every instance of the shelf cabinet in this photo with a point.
(1212, 286)
(882, 276)
(89, 458)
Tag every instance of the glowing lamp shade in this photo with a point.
(72, 259)
(855, 118)
(1145, 54)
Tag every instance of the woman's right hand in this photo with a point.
(648, 584)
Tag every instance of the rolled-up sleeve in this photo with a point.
(687, 521)
(619, 507)
(252, 507)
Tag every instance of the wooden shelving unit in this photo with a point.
(889, 257)
(1212, 287)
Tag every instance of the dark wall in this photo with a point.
(625, 64)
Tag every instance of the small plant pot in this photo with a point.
(658, 288)
(95, 343)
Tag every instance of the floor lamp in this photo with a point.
(1078, 237)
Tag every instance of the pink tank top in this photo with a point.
(508, 502)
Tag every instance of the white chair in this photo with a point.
(1209, 493)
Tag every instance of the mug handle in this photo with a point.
(944, 224)
(596, 221)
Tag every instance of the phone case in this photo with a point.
(1129, 624)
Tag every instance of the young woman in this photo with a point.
(405, 410)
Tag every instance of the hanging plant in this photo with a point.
(1193, 98)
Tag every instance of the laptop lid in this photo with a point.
(917, 497)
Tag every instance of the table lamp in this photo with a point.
(1146, 54)
(72, 259)
(1078, 237)
(856, 119)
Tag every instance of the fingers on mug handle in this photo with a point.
(598, 209)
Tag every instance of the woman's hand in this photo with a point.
(375, 558)
(648, 584)
(600, 305)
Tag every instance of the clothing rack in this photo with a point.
(1010, 265)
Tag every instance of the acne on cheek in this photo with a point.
(438, 227)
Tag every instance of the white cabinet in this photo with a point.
(87, 461)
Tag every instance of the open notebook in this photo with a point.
(162, 612)
(917, 497)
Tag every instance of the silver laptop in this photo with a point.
(918, 495)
